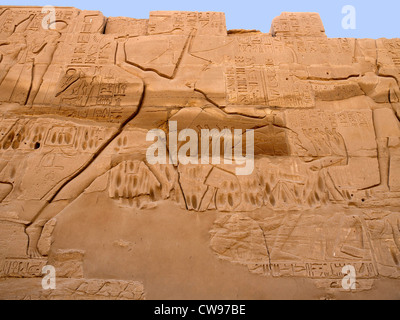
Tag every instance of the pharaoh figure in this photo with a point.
(13, 48)
(40, 55)
(34, 50)
(11, 51)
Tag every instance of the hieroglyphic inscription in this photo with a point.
(13, 17)
(286, 91)
(245, 86)
(330, 119)
(92, 49)
(319, 45)
(132, 27)
(393, 47)
(250, 83)
(298, 24)
(315, 270)
(81, 87)
(212, 23)
(27, 268)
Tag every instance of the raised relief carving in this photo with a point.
(79, 104)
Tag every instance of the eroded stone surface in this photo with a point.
(77, 103)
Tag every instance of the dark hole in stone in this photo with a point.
(37, 145)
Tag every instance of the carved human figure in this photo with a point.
(153, 82)
(385, 236)
(387, 129)
(11, 51)
(70, 77)
(41, 55)
(342, 237)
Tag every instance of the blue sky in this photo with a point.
(375, 19)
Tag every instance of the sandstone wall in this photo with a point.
(76, 104)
